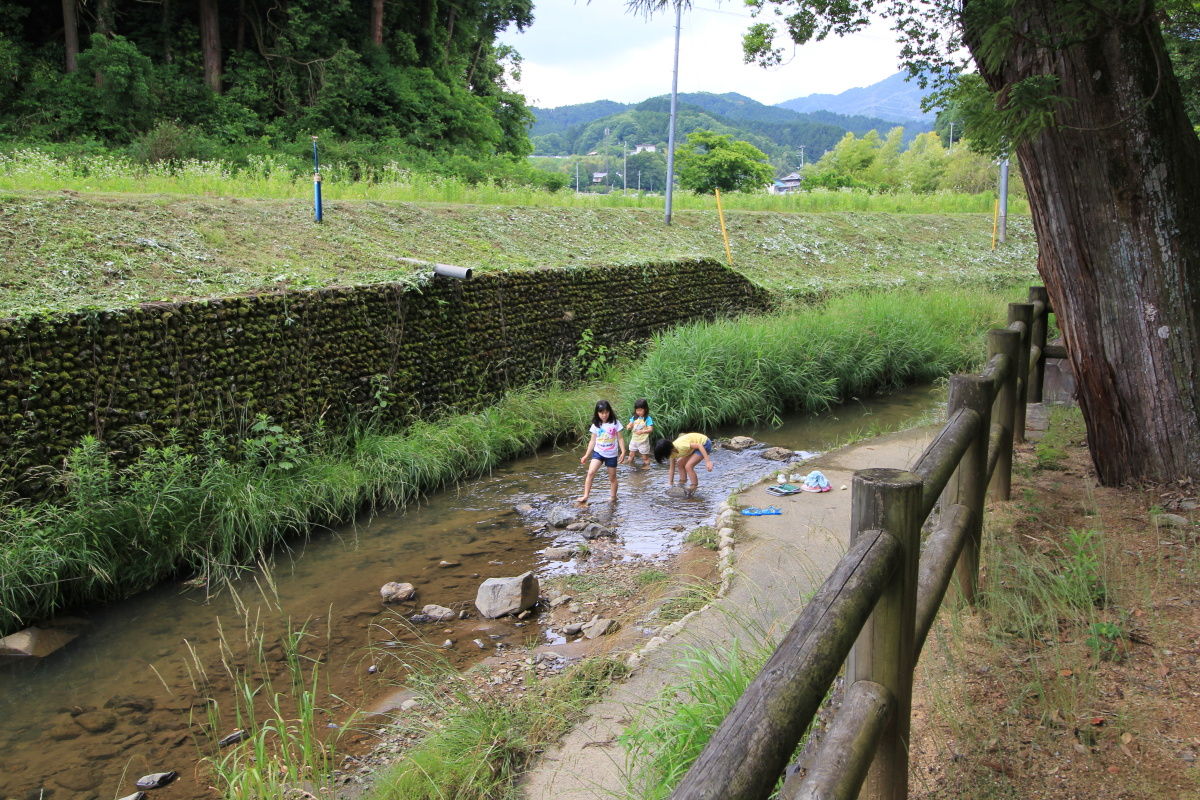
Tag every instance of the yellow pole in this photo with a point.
(724, 233)
(995, 222)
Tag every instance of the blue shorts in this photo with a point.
(609, 461)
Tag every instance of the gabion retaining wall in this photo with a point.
(129, 375)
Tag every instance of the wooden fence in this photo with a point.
(875, 609)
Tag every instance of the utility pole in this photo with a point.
(802, 156)
(951, 147)
(674, 99)
(624, 167)
(576, 177)
(639, 181)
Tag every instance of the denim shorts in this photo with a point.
(609, 461)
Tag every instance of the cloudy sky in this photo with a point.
(576, 52)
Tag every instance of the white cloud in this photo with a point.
(576, 53)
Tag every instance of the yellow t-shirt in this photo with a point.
(686, 442)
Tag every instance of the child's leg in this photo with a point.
(593, 466)
(612, 483)
(689, 469)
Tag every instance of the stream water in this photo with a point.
(147, 686)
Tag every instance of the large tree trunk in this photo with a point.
(210, 43)
(377, 22)
(1114, 189)
(70, 34)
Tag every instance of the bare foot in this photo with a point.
(581, 501)
(612, 498)
(691, 490)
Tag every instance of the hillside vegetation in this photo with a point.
(68, 251)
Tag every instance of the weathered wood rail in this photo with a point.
(875, 609)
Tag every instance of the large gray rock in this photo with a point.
(35, 642)
(499, 596)
(599, 626)
(778, 453)
(594, 531)
(560, 517)
(394, 592)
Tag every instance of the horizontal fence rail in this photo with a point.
(876, 608)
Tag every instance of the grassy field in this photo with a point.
(66, 250)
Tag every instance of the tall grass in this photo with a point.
(755, 369)
(266, 177)
(118, 529)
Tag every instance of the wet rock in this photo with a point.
(419, 619)
(523, 508)
(559, 553)
(499, 596)
(560, 517)
(572, 628)
(371, 670)
(140, 705)
(447, 564)
(778, 454)
(439, 613)
(34, 642)
(594, 531)
(394, 592)
(599, 627)
(79, 779)
(577, 526)
(739, 443)
(97, 721)
(232, 738)
(63, 730)
(156, 780)
(447, 644)
(562, 599)
(478, 644)
(676, 491)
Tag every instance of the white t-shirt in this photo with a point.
(607, 436)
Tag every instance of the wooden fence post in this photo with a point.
(889, 500)
(1037, 338)
(1007, 342)
(969, 485)
(1021, 312)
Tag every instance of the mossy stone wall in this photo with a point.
(131, 375)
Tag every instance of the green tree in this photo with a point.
(1083, 91)
(709, 161)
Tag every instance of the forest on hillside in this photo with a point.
(193, 75)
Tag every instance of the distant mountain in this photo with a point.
(779, 132)
(894, 99)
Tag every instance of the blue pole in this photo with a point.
(316, 183)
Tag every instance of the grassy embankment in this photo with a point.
(63, 250)
(116, 530)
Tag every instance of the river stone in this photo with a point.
(778, 454)
(97, 721)
(594, 531)
(1172, 521)
(393, 592)
(63, 730)
(572, 628)
(676, 491)
(559, 553)
(523, 508)
(599, 627)
(35, 642)
(447, 564)
(439, 613)
(740, 443)
(141, 705)
(560, 517)
(499, 596)
(156, 780)
(79, 779)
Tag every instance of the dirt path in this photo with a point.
(779, 560)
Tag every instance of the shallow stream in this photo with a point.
(146, 687)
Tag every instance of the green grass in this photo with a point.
(673, 728)
(115, 530)
(31, 169)
(68, 251)
(481, 744)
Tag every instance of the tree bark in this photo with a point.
(105, 19)
(210, 43)
(71, 34)
(377, 22)
(1114, 187)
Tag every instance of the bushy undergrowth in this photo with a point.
(116, 530)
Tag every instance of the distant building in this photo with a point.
(598, 177)
(645, 148)
(787, 184)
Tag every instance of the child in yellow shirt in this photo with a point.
(688, 450)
